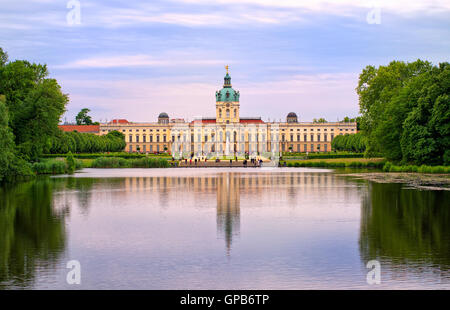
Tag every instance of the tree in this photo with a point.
(3, 57)
(10, 165)
(405, 111)
(382, 119)
(7, 155)
(320, 120)
(426, 129)
(35, 104)
(82, 118)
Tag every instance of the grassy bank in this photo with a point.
(55, 166)
(328, 155)
(337, 163)
(379, 163)
(389, 167)
(117, 162)
(124, 155)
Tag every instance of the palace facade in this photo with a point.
(227, 133)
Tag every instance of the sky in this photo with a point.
(134, 59)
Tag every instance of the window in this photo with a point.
(220, 113)
(305, 148)
(292, 137)
(144, 139)
(234, 112)
(131, 148)
(304, 137)
(164, 138)
(151, 138)
(332, 136)
(137, 138)
(326, 147)
(312, 147)
(228, 113)
(206, 138)
(318, 138)
(298, 138)
(312, 137)
(282, 137)
(144, 148)
(131, 138)
(157, 140)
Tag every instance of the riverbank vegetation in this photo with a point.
(327, 155)
(338, 163)
(116, 162)
(124, 155)
(405, 112)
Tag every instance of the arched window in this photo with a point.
(220, 113)
(234, 112)
(228, 113)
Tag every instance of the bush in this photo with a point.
(70, 162)
(116, 162)
(75, 142)
(55, 166)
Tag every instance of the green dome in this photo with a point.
(227, 93)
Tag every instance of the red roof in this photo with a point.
(208, 121)
(256, 120)
(80, 128)
(119, 121)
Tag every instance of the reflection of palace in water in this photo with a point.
(228, 207)
(227, 189)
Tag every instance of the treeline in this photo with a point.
(350, 143)
(405, 110)
(76, 142)
(31, 105)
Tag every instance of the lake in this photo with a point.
(222, 228)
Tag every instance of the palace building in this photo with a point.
(228, 133)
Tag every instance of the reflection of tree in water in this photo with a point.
(32, 233)
(405, 226)
(228, 207)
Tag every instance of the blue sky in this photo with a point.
(135, 59)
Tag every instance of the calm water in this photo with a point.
(222, 228)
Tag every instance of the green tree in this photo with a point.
(35, 104)
(70, 162)
(83, 118)
(426, 130)
(7, 156)
(382, 119)
(320, 120)
(3, 57)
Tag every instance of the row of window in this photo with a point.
(251, 138)
(304, 148)
(164, 130)
(239, 148)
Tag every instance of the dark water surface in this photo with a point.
(281, 228)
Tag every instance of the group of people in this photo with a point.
(252, 162)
